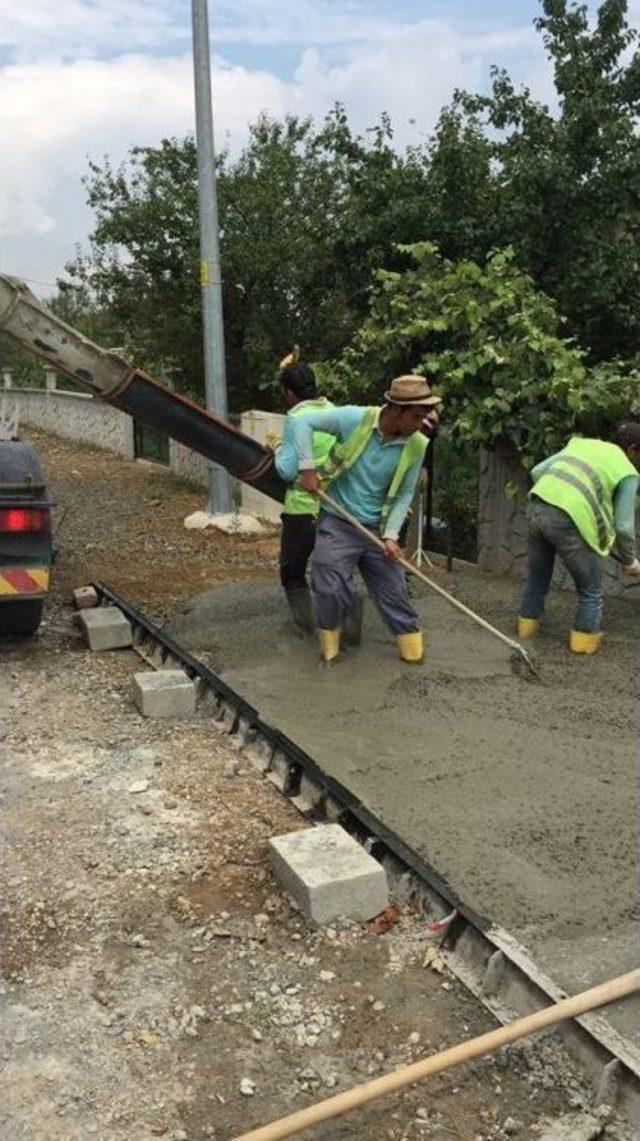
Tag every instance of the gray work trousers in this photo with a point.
(339, 550)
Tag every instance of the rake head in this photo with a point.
(523, 665)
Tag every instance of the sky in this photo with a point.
(81, 79)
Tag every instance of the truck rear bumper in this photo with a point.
(23, 582)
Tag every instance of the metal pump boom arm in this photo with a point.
(108, 376)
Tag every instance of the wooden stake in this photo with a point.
(455, 1056)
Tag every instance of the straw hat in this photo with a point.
(411, 390)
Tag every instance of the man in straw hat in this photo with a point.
(371, 472)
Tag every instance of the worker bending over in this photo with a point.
(300, 507)
(371, 472)
(581, 507)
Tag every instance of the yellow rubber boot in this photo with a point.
(527, 627)
(582, 643)
(329, 645)
(410, 646)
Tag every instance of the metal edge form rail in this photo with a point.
(485, 958)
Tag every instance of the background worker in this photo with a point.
(371, 472)
(581, 507)
(300, 508)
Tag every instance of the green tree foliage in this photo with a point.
(305, 215)
(26, 370)
(492, 344)
(141, 272)
(308, 213)
(563, 188)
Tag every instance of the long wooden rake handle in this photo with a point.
(455, 1056)
(510, 642)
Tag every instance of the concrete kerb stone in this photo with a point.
(328, 874)
(168, 693)
(85, 597)
(105, 628)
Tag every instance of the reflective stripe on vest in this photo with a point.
(604, 527)
(297, 501)
(582, 481)
(344, 454)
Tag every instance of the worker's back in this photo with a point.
(297, 501)
(582, 480)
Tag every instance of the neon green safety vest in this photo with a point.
(582, 481)
(297, 501)
(344, 454)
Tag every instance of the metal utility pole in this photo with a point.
(210, 275)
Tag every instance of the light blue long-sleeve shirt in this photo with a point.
(624, 510)
(362, 489)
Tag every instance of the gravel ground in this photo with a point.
(123, 522)
(156, 982)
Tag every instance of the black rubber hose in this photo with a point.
(174, 415)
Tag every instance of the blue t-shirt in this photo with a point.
(362, 489)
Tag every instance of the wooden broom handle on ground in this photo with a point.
(455, 1056)
(510, 642)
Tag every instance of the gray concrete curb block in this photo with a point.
(168, 693)
(106, 628)
(328, 874)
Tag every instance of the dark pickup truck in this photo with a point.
(26, 548)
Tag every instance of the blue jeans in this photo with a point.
(552, 532)
(338, 551)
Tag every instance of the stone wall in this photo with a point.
(188, 465)
(502, 527)
(74, 416)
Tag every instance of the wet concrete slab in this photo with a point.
(521, 795)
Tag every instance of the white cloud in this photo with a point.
(60, 114)
(73, 29)
(411, 72)
(81, 28)
(59, 109)
(301, 21)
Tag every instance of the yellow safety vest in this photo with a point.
(344, 454)
(297, 501)
(582, 481)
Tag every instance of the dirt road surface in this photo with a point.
(155, 981)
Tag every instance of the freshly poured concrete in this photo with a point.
(521, 795)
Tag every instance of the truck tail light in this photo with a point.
(20, 519)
